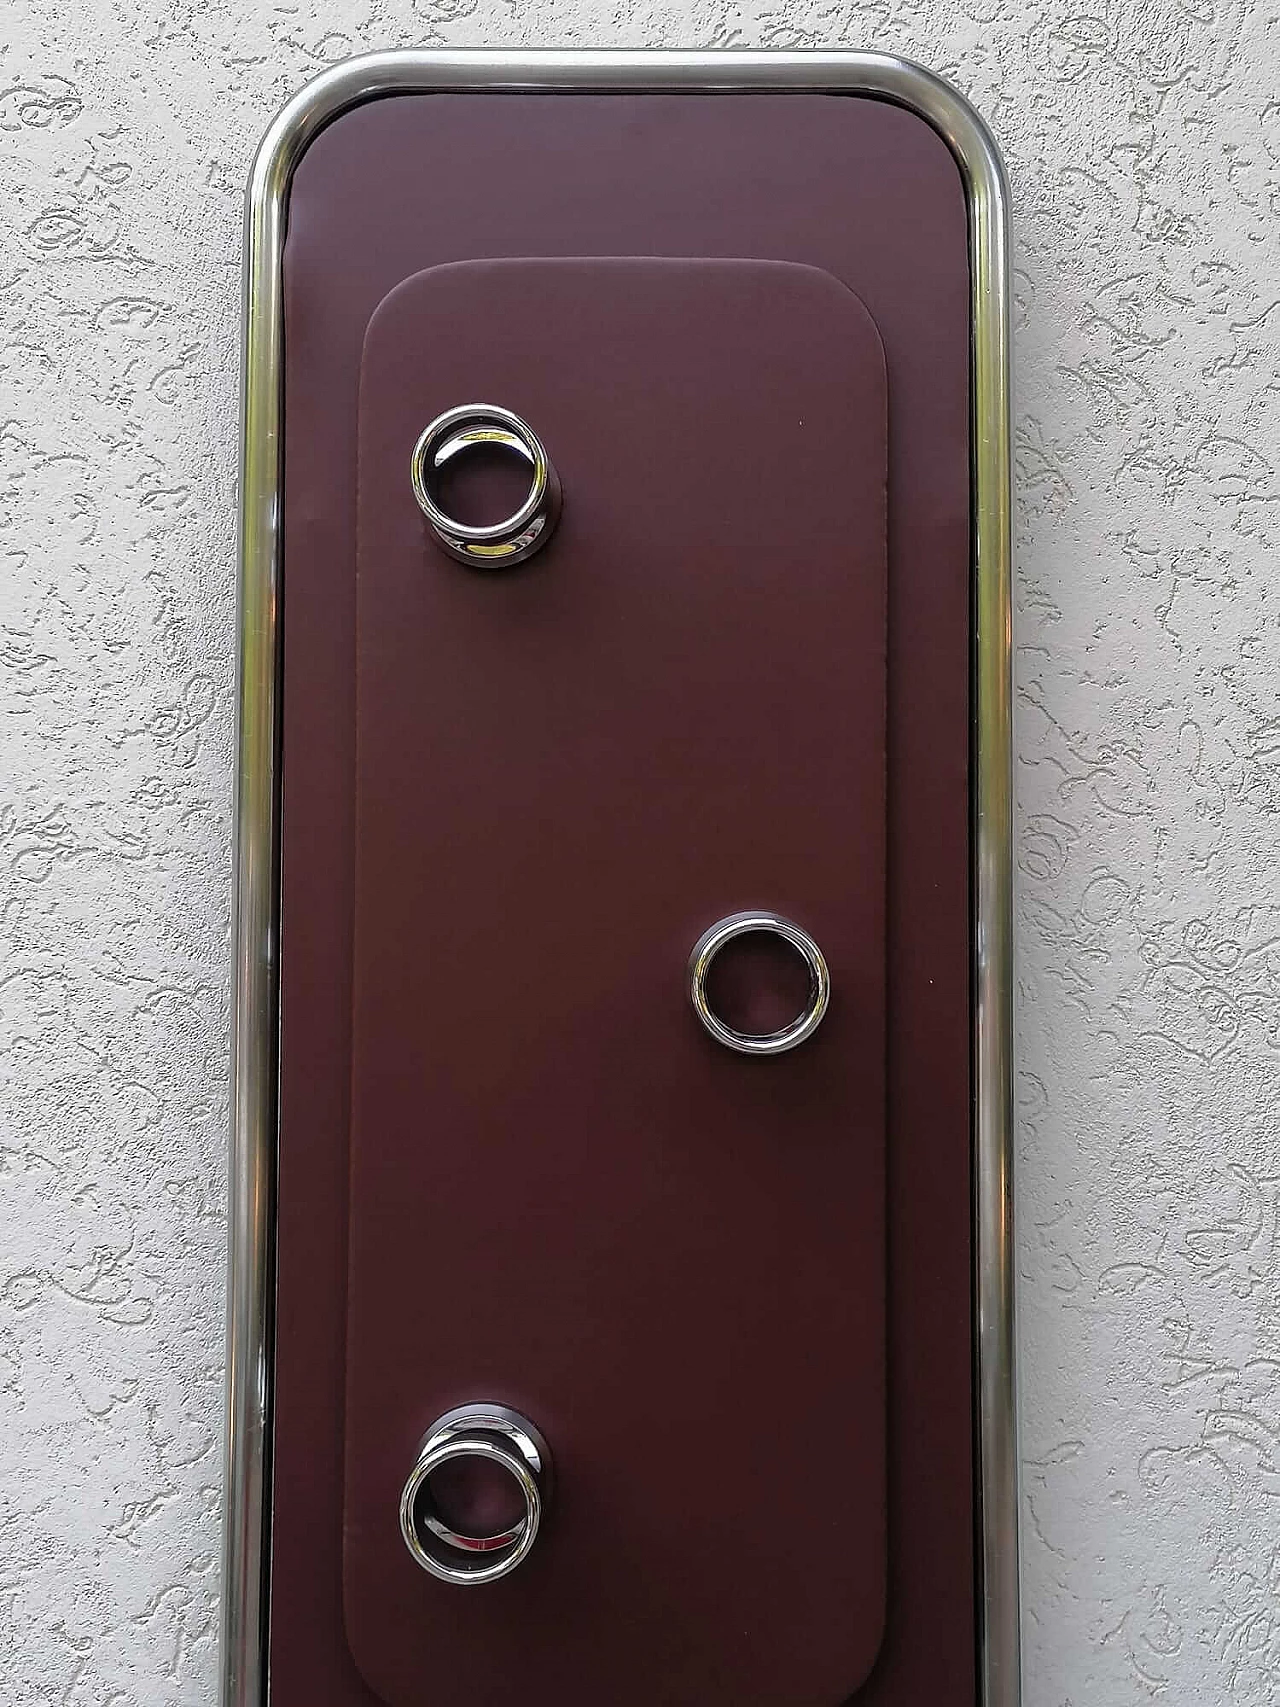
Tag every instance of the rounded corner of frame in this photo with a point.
(296, 124)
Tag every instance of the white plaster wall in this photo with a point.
(1143, 141)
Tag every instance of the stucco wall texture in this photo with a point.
(1143, 143)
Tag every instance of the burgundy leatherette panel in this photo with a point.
(564, 1195)
(869, 193)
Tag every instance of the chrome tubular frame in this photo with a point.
(253, 1139)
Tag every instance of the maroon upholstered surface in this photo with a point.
(565, 1195)
(822, 180)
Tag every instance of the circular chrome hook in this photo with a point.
(489, 1434)
(498, 545)
(804, 1025)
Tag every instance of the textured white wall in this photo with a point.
(1141, 138)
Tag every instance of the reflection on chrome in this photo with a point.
(481, 1433)
(804, 1025)
(498, 545)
